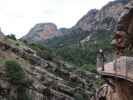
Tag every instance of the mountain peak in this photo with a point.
(93, 12)
(42, 31)
(103, 18)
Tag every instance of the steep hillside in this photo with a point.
(27, 74)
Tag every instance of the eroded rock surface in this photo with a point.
(51, 80)
(42, 32)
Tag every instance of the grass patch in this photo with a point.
(2, 61)
(88, 67)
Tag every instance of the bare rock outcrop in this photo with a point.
(42, 32)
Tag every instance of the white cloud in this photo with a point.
(18, 16)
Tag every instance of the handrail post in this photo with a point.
(126, 74)
(100, 60)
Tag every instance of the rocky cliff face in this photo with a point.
(42, 32)
(104, 19)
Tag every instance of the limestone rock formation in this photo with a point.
(88, 20)
(42, 32)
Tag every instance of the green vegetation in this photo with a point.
(88, 67)
(42, 51)
(82, 55)
(17, 77)
(77, 55)
(70, 48)
(14, 41)
(98, 82)
(12, 36)
(14, 71)
(72, 37)
(2, 61)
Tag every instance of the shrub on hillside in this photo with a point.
(12, 36)
(14, 71)
(42, 51)
(88, 67)
(17, 77)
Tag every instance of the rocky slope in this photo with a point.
(51, 79)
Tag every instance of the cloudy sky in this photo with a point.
(18, 16)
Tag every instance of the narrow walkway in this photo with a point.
(121, 68)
